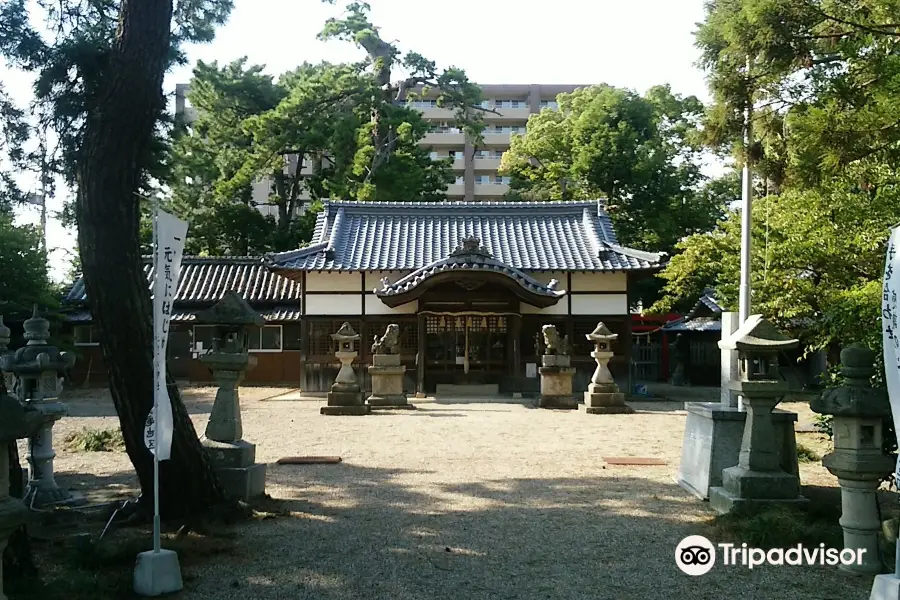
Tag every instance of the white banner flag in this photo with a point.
(890, 319)
(170, 236)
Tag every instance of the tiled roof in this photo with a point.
(205, 280)
(696, 324)
(705, 315)
(472, 262)
(278, 314)
(530, 236)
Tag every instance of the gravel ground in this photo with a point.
(463, 501)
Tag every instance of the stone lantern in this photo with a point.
(232, 458)
(758, 478)
(603, 395)
(17, 421)
(37, 367)
(387, 372)
(556, 372)
(8, 378)
(858, 460)
(345, 397)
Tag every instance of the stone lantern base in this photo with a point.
(744, 490)
(236, 468)
(605, 399)
(387, 383)
(556, 383)
(345, 400)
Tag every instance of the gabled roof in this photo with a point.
(529, 236)
(473, 258)
(706, 315)
(206, 280)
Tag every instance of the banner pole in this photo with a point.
(157, 367)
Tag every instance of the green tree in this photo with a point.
(641, 153)
(99, 68)
(818, 258)
(319, 131)
(24, 267)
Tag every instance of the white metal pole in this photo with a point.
(746, 212)
(746, 216)
(157, 368)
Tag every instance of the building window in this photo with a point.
(460, 180)
(86, 335)
(549, 104)
(265, 339)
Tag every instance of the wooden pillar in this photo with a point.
(420, 355)
(628, 350)
(515, 341)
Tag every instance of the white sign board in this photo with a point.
(890, 319)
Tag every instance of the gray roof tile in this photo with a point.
(205, 280)
(530, 236)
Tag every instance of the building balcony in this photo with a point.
(487, 164)
(491, 189)
(435, 113)
(508, 114)
(456, 190)
(444, 138)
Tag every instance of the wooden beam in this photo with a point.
(420, 355)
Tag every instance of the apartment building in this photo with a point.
(476, 168)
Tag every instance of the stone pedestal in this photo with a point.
(712, 443)
(235, 466)
(885, 587)
(757, 480)
(556, 382)
(345, 397)
(387, 383)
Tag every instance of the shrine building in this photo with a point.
(469, 283)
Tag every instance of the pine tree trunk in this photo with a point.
(118, 129)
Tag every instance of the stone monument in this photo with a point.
(17, 421)
(345, 397)
(858, 460)
(713, 430)
(556, 372)
(387, 372)
(758, 479)
(232, 458)
(37, 367)
(603, 396)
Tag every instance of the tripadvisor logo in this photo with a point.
(696, 555)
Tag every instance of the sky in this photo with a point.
(633, 44)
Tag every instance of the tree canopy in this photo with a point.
(821, 76)
(319, 131)
(640, 153)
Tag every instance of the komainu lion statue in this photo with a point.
(552, 341)
(388, 343)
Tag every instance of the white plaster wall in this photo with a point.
(373, 278)
(600, 304)
(374, 306)
(333, 304)
(333, 282)
(560, 308)
(598, 282)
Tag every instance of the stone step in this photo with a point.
(469, 390)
